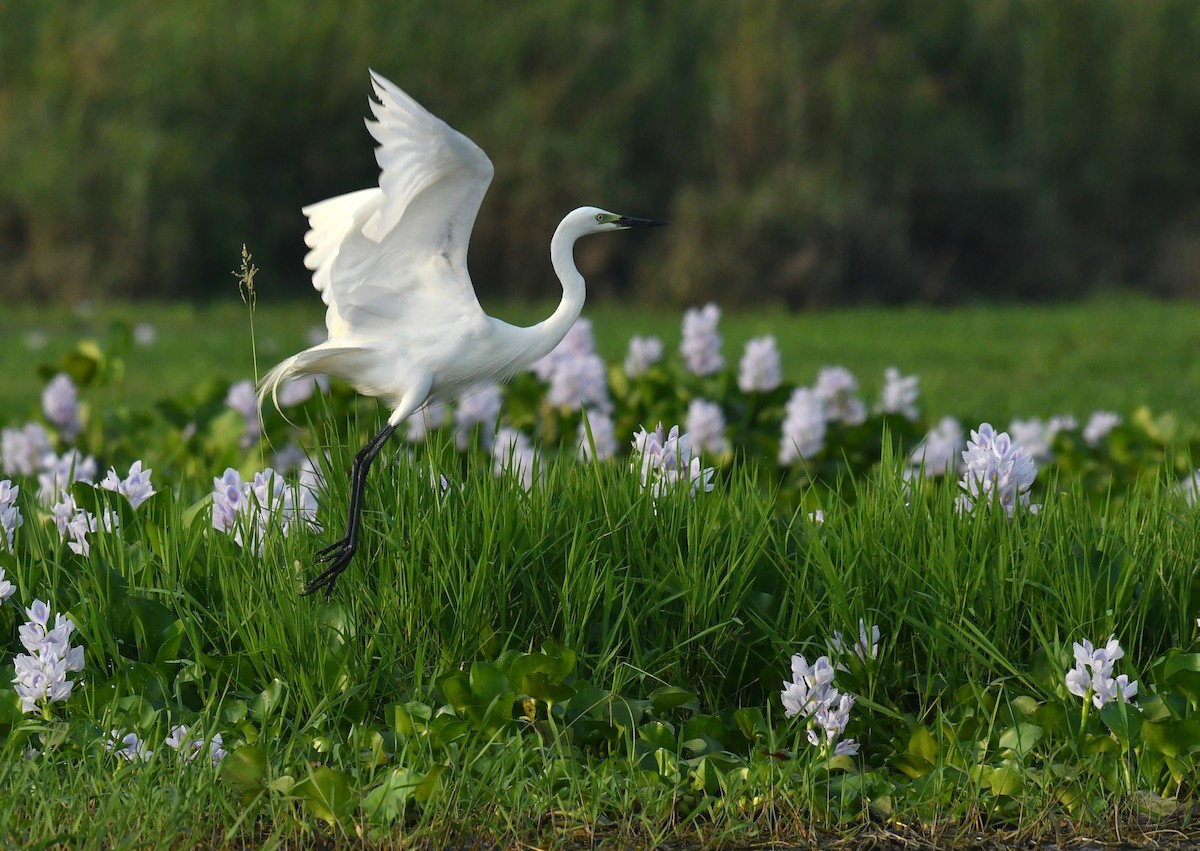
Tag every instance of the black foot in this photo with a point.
(338, 556)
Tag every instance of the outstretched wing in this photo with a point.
(401, 255)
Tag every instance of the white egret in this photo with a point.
(391, 264)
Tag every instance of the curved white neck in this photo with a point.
(549, 332)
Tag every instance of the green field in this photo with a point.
(978, 363)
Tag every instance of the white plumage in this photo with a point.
(390, 263)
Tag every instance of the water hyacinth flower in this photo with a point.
(480, 407)
(41, 672)
(1092, 678)
(705, 423)
(7, 589)
(127, 746)
(299, 390)
(429, 418)
(803, 427)
(135, 487)
(940, 451)
(60, 404)
(242, 398)
(58, 472)
(701, 344)
(10, 514)
(997, 470)
(144, 334)
(759, 370)
(189, 746)
(811, 694)
(1038, 437)
(239, 507)
(22, 449)
(513, 454)
(579, 381)
(644, 352)
(578, 342)
(603, 443)
(664, 460)
(865, 648)
(1189, 488)
(1099, 424)
(837, 388)
(900, 394)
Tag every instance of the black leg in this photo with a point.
(339, 553)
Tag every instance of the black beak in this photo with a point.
(631, 222)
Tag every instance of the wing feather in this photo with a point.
(383, 257)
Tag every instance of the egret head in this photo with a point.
(594, 220)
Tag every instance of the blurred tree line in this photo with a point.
(806, 153)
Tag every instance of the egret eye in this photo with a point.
(600, 217)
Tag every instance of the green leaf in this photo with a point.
(487, 682)
(327, 794)
(659, 735)
(752, 724)
(1123, 720)
(1182, 673)
(921, 743)
(669, 698)
(244, 768)
(1020, 738)
(1174, 737)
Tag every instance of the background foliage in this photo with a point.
(807, 154)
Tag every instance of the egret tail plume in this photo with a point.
(270, 383)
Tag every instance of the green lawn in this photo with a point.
(984, 362)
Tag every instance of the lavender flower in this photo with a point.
(706, 424)
(10, 514)
(940, 451)
(803, 427)
(189, 746)
(135, 487)
(431, 417)
(578, 342)
(837, 388)
(480, 408)
(512, 453)
(1099, 424)
(1038, 437)
(298, 390)
(252, 507)
(665, 462)
(644, 352)
(701, 345)
(1190, 488)
(144, 334)
(579, 381)
(811, 694)
(41, 673)
(60, 404)
(759, 370)
(7, 589)
(127, 746)
(1092, 675)
(58, 472)
(997, 469)
(865, 648)
(900, 394)
(242, 398)
(603, 436)
(22, 449)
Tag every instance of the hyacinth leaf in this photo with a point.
(541, 687)
(487, 683)
(659, 734)
(713, 731)
(1182, 671)
(386, 802)
(921, 743)
(327, 794)
(1020, 738)
(267, 700)
(1173, 738)
(158, 631)
(752, 724)
(10, 708)
(667, 699)
(1124, 720)
(244, 768)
